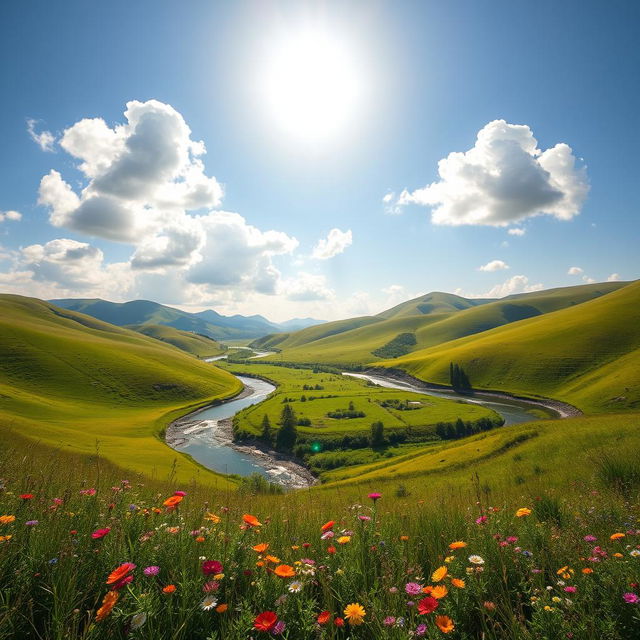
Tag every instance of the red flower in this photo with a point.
(323, 618)
(427, 605)
(265, 621)
(339, 622)
(210, 567)
(26, 496)
(327, 525)
(331, 549)
(100, 533)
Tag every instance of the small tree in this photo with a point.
(266, 429)
(288, 433)
(377, 435)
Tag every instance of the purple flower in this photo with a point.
(413, 588)
(31, 523)
(278, 628)
(631, 598)
(590, 538)
(421, 629)
(411, 603)
(151, 571)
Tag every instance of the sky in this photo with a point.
(316, 159)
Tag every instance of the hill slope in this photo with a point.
(194, 343)
(73, 381)
(587, 355)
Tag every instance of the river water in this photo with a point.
(210, 445)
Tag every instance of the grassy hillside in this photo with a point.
(80, 384)
(360, 344)
(194, 343)
(436, 302)
(587, 355)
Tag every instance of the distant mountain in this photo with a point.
(208, 323)
(300, 323)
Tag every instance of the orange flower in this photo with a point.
(456, 582)
(428, 589)
(327, 525)
(173, 501)
(439, 592)
(170, 588)
(261, 548)
(5, 538)
(273, 559)
(120, 572)
(439, 574)
(200, 539)
(404, 538)
(587, 570)
(108, 602)
(523, 511)
(284, 571)
(7, 519)
(617, 536)
(324, 617)
(212, 517)
(445, 624)
(260, 563)
(618, 555)
(252, 521)
(221, 608)
(457, 545)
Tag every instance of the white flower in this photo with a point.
(137, 621)
(635, 553)
(208, 603)
(295, 586)
(476, 560)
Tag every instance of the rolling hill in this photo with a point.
(194, 343)
(77, 383)
(587, 354)
(448, 317)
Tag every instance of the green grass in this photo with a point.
(193, 343)
(80, 384)
(587, 355)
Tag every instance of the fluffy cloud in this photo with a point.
(516, 231)
(575, 271)
(504, 178)
(142, 175)
(494, 265)
(336, 242)
(10, 215)
(307, 287)
(614, 277)
(45, 139)
(516, 284)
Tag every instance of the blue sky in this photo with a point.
(247, 226)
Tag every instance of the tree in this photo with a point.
(266, 429)
(377, 435)
(288, 433)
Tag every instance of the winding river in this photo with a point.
(206, 435)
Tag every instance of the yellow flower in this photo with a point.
(344, 539)
(212, 517)
(439, 574)
(523, 511)
(5, 538)
(354, 613)
(7, 519)
(456, 582)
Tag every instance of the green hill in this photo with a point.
(194, 343)
(587, 354)
(80, 384)
(364, 340)
(436, 302)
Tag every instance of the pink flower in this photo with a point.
(211, 567)
(88, 492)
(182, 494)
(481, 520)
(631, 598)
(100, 533)
(590, 538)
(571, 589)
(364, 518)
(375, 496)
(122, 582)
(153, 570)
(413, 588)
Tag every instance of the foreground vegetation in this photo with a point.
(87, 552)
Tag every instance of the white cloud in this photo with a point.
(494, 265)
(516, 231)
(10, 215)
(336, 242)
(388, 197)
(306, 287)
(614, 277)
(575, 271)
(516, 284)
(45, 139)
(503, 179)
(588, 280)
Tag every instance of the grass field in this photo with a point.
(193, 343)
(80, 384)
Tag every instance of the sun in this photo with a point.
(312, 86)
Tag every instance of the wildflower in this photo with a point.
(26, 496)
(295, 586)
(339, 622)
(7, 519)
(404, 538)
(88, 492)
(208, 603)
(421, 629)
(211, 567)
(261, 548)
(439, 592)
(445, 624)
(439, 574)
(210, 586)
(170, 588)
(374, 496)
(481, 520)
(137, 621)
(32, 523)
(200, 539)
(427, 605)
(476, 560)
(212, 517)
(100, 533)
(273, 559)
(265, 621)
(327, 535)
(221, 608)
(284, 571)
(117, 574)
(571, 589)
(278, 628)
(151, 571)
(457, 545)
(5, 538)
(331, 549)
(344, 539)
(108, 602)
(323, 617)
(327, 525)
(523, 511)
(413, 588)
(182, 494)
(389, 621)
(364, 518)
(456, 582)
(489, 606)
(590, 538)
(252, 521)
(587, 570)
(631, 598)
(173, 501)
(354, 613)
(616, 536)
(635, 553)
